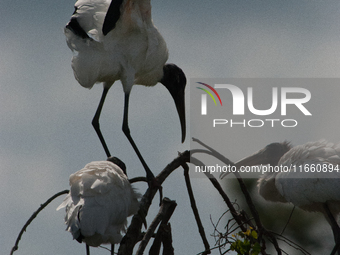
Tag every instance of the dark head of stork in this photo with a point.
(270, 154)
(174, 80)
(118, 162)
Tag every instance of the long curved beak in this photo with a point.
(271, 154)
(180, 106)
(175, 81)
(253, 160)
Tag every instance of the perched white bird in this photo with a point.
(117, 40)
(99, 201)
(313, 182)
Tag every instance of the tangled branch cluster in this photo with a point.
(243, 233)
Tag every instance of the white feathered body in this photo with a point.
(133, 52)
(306, 190)
(99, 201)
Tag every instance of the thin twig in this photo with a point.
(195, 210)
(240, 180)
(291, 243)
(222, 193)
(250, 203)
(290, 217)
(16, 245)
(138, 179)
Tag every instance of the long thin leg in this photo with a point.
(112, 249)
(152, 181)
(335, 228)
(126, 130)
(87, 250)
(95, 121)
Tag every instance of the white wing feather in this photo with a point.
(134, 48)
(100, 200)
(306, 190)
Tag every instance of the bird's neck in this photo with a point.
(141, 7)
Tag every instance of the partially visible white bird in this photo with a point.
(99, 201)
(313, 182)
(117, 40)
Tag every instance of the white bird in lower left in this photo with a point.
(99, 202)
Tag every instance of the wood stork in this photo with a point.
(117, 40)
(313, 182)
(99, 201)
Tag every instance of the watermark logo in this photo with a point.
(239, 99)
(242, 103)
(242, 115)
(204, 97)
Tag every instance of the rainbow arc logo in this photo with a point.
(204, 97)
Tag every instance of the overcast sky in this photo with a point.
(45, 128)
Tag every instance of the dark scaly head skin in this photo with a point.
(118, 162)
(274, 151)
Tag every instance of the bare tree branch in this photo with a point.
(216, 184)
(164, 233)
(247, 196)
(195, 210)
(138, 179)
(168, 249)
(291, 243)
(16, 245)
(167, 208)
(134, 231)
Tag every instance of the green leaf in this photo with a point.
(254, 234)
(256, 249)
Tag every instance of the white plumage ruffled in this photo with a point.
(133, 52)
(307, 189)
(99, 201)
(310, 182)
